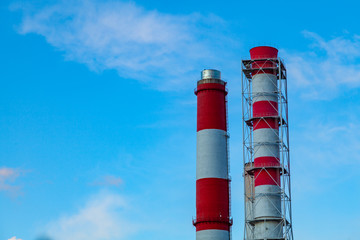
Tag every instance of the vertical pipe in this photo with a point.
(212, 180)
(243, 104)
(282, 152)
(249, 200)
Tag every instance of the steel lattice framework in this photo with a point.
(248, 70)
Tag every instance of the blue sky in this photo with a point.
(98, 115)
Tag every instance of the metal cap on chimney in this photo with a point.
(210, 74)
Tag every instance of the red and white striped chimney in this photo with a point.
(212, 169)
(267, 206)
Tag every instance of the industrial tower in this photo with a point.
(266, 146)
(213, 221)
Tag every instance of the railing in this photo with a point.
(226, 220)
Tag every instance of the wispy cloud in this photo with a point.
(147, 45)
(100, 218)
(332, 142)
(322, 152)
(109, 180)
(14, 238)
(168, 51)
(8, 177)
(327, 67)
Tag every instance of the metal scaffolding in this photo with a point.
(248, 70)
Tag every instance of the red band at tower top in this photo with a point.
(263, 52)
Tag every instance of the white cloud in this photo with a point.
(327, 67)
(14, 238)
(166, 50)
(101, 218)
(7, 179)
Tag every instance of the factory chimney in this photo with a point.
(266, 147)
(213, 220)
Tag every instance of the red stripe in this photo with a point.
(263, 64)
(212, 204)
(212, 225)
(211, 106)
(270, 176)
(266, 123)
(265, 108)
(261, 53)
(210, 86)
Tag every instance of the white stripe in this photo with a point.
(266, 150)
(211, 161)
(264, 87)
(264, 97)
(212, 235)
(268, 230)
(267, 201)
(266, 135)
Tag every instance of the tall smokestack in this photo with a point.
(266, 151)
(266, 146)
(212, 167)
